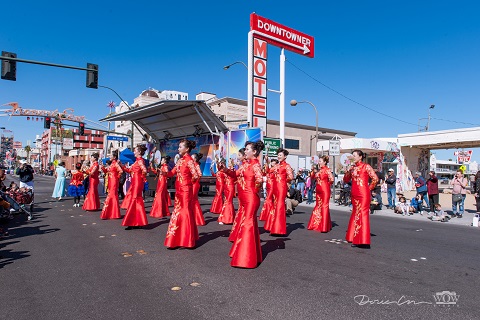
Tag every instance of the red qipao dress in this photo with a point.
(160, 203)
(217, 202)
(92, 201)
(111, 207)
(320, 219)
(228, 210)
(246, 251)
(128, 196)
(136, 215)
(277, 219)
(182, 230)
(199, 219)
(358, 231)
(239, 214)
(268, 204)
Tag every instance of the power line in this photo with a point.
(366, 107)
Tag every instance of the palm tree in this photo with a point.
(27, 150)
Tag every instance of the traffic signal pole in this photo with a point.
(92, 69)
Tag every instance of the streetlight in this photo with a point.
(293, 103)
(227, 67)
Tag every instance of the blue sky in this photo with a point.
(395, 57)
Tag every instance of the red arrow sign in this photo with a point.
(282, 36)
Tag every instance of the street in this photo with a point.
(69, 264)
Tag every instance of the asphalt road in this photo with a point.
(69, 264)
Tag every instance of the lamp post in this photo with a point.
(293, 103)
(228, 66)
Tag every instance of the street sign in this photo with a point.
(67, 143)
(271, 146)
(463, 156)
(334, 148)
(117, 138)
(282, 36)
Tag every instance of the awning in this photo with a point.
(173, 119)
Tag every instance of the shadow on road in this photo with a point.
(272, 245)
(208, 236)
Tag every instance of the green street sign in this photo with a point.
(271, 146)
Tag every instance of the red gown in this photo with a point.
(277, 220)
(160, 203)
(217, 202)
(228, 210)
(239, 214)
(182, 230)
(246, 251)
(111, 207)
(92, 201)
(268, 204)
(320, 219)
(358, 231)
(136, 215)
(199, 219)
(128, 196)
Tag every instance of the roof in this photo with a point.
(173, 119)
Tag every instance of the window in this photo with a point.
(292, 144)
(373, 162)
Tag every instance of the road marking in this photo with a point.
(94, 223)
(176, 288)
(84, 224)
(423, 258)
(414, 259)
(419, 230)
(141, 252)
(114, 235)
(195, 284)
(102, 237)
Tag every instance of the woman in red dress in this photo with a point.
(246, 251)
(199, 219)
(277, 220)
(182, 230)
(238, 217)
(136, 217)
(160, 203)
(320, 218)
(111, 207)
(92, 201)
(227, 214)
(358, 231)
(217, 202)
(268, 204)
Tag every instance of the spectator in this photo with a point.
(476, 190)
(25, 173)
(432, 188)
(402, 207)
(300, 180)
(421, 186)
(416, 204)
(311, 185)
(439, 214)
(381, 180)
(376, 202)
(293, 199)
(459, 193)
(391, 188)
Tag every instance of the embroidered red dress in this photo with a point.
(199, 219)
(111, 207)
(268, 203)
(239, 214)
(277, 219)
(228, 210)
(320, 219)
(358, 231)
(182, 230)
(160, 203)
(136, 215)
(92, 201)
(217, 202)
(246, 251)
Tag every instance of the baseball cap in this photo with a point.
(390, 170)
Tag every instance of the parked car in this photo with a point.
(443, 180)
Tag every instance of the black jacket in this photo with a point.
(25, 174)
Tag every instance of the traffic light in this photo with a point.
(92, 76)
(46, 122)
(81, 128)
(9, 67)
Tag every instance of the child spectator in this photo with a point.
(402, 207)
(439, 214)
(376, 202)
(416, 204)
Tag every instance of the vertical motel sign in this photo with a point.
(262, 32)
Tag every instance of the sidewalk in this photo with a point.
(445, 201)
